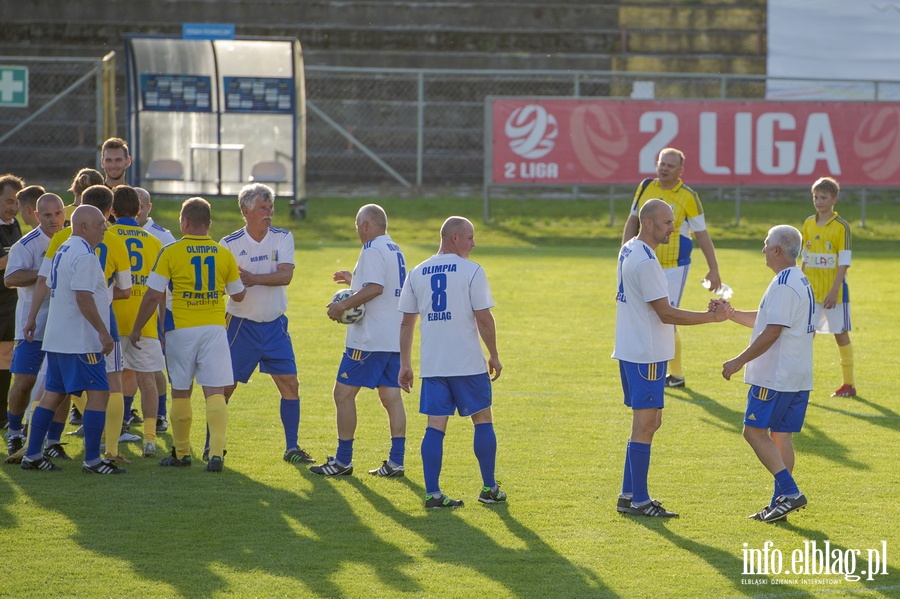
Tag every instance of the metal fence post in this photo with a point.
(420, 128)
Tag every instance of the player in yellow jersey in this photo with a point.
(675, 257)
(199, 273)
(140, 364)
(826, 258)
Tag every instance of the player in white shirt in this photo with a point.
(372, 355)
(76, 339)
(778, 368)
(257, 326)
(451, 294)
(25, 259)
(644, 345)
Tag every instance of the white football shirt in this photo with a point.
(161, 233)
(787, 365)
(262, 303)
(445, 291)
(27, 254)
(75, 268)
(641, 337)
(380, 262)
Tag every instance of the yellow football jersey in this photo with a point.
(198, 269)
(686, 205)
(143, 249)
(112, 252)
(824, 249)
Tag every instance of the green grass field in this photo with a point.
(265, 528)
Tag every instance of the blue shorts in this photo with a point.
(778, 411)
(27, 357)
(74, 373)
(369, 369)
(442, 395)
(643, 384)
(267, 344)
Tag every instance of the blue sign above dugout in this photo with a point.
(207, 31)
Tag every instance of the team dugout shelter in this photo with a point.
(208, 116)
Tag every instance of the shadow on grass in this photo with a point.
(7, 495)
(533, 570)
(728, 565)
(305, 538)
(726, 418)
(885, 417)
(731, 420)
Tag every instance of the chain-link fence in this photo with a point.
(426, 127)
(64, 122)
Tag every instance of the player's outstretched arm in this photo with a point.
(343, 277)
(669, 314)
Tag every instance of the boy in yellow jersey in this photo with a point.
(140, 364)
(675, 257)
(115, 264)
(826, 258)
(199, 273)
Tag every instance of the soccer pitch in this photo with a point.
(266, 528)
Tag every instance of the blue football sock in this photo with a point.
(398, 450)
(626, 476)
(290, 420)
(432, 458)
(15, 422)
(37, 431)
(161, 410)
(129, 401)
(775, 495)
(786, 483)
(344, 453)
(639, 455)
(485, 446)
(93, 422)
(55, 431)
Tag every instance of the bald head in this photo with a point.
(457, 236)
(653, 209)
(89, 224)
(657, 223)
(455, 224)
(48, 201)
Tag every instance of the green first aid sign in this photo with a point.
(13, 86)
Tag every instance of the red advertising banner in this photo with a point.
(589, 142)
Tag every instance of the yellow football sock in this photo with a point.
(847, 362)
(675, 366)
(181, 416)
(115, 412)
(217, 421)
(79, 401)
(149, 429)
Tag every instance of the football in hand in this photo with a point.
(353, 314)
